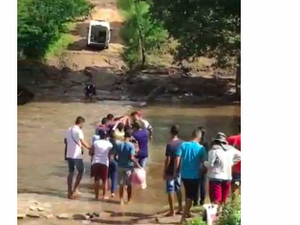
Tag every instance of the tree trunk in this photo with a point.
(238, 78)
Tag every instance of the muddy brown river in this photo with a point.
(42, 125)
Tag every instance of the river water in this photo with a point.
(42, 125)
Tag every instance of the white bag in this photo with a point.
(211, 211)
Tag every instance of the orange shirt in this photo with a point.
(235, 141)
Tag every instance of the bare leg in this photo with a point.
(77, 181)
(104, 188)
(96, 188)
(129, 193)
(186, 212)
(70, 184)
(171, 204)
(121, 192)
(179, 198)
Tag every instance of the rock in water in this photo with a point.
(80, 217)
(33, 215)
(63, 216)
(21, 216)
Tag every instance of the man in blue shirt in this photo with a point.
(172, 184)
(190, 157)
(126, 162)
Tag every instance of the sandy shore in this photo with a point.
(43, 209)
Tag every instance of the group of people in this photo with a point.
(192, 162)
(121, 144)
(118, 146)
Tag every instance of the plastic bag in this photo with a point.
(210, 213)
(139, 178)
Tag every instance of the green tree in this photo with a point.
(41, 23)
(209, 28)
(140, 32)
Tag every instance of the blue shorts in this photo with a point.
(173, 185)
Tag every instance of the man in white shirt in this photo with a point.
(100, 151)
(75, 141)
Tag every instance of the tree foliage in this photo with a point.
(42, 22)
(209, 28)
(140, 32)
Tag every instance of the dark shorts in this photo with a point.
(99, 171)
(173, 185)
(191, 187)
(75, 163)
(236, 179)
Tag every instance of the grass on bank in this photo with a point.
(57, 48)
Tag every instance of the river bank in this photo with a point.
(42, 82)
(42, 209)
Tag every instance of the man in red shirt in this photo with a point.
(235, 140)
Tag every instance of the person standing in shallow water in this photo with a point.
(172, 184)
(235, 141)
(100, 151)
(141, 135)
(117, 136)
(200, 200)
(126, 162)
(221, 158)
(189, 158)
(75, 141)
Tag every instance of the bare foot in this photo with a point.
(70, 196)
(190, 215)
(170, 213)
(105, 197)
(74, 196)
(179, 212)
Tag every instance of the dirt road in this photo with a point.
(77, 56)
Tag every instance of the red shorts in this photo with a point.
(219, 190)
(99, 171)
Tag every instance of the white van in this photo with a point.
(99, 33)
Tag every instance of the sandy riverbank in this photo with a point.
(43, 209)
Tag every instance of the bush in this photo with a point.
(42, 23)
(229, 215)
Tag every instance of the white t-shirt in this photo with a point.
(102, 148)
(146, 123)
(74, 148)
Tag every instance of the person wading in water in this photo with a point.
(75, 141)
(100, 151)
(172, 184)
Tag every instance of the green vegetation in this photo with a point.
(209, 28)
(43, 25)
(140, 32)
(230, 214)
